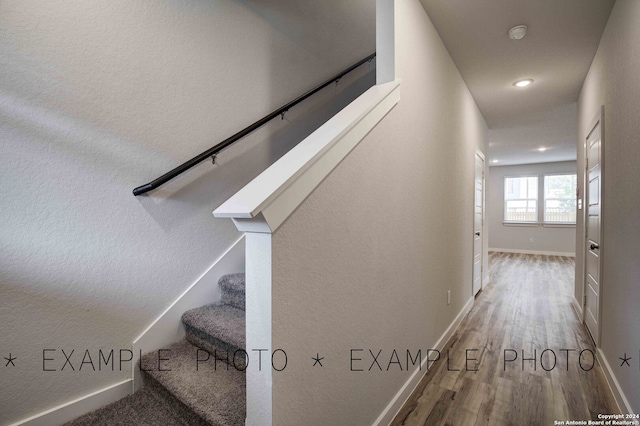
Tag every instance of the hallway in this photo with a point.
(525, 310)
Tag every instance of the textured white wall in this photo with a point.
(551, 239)
(366, 261)
(99, 97)
(613, 81)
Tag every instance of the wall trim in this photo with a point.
(623, 403)
(268, 200)
(546, 253)
(398, 401)
(71, 410)
(577, 307)
(168, 327)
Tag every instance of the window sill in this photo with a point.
(546, 225)
(520, 223)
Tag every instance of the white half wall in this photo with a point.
(267, 201)
(614, 81)
(552, 240)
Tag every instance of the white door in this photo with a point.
(593, 285)
(478, 220)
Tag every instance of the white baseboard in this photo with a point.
(616, 390)
(407, 389)
(577, 308)
(546, 253)
(71, 410)
(167, 328)
(442, 342)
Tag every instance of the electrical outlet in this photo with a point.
(448, 297)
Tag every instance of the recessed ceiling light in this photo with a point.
(523, 83)
(517, 32)
(542, 149)
(494, 161)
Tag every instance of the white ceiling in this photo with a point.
(557, 51)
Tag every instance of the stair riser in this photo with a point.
(179, 408)
(217, 349)
(233, 290)
(233, 298)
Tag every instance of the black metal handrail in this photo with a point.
(242, 133)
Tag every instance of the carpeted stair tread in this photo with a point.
(233, 290)
(213, 392)
(219, 321)
(142, 408)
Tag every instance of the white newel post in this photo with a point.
(258, 330)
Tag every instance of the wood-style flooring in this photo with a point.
(526, 308)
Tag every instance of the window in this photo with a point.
(521, 199)
(560, 198)
(556, 191)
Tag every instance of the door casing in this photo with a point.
(482, 236)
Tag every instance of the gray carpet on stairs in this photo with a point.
(217, 327)
(214, 392)
(191, 394)
(233, 290)
(194, 389)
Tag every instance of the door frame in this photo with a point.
(483, 227)
(598, 118)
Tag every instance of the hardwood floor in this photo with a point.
(524, 312)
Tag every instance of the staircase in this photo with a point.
(198, 381)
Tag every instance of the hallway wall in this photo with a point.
(367, 259)
(99, 97)
(517, 238)
(614, 81)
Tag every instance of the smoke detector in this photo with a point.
(517, 32)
